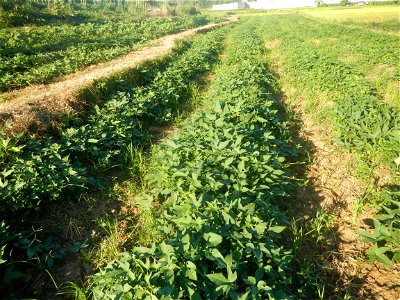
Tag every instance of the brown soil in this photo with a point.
(333, 187)
(37, 107)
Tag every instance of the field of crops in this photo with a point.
(179, 183)
(361, 117)
(38, 54)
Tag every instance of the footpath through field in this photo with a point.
(36, 106)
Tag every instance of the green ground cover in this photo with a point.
(215, 190)
(372, 54)
(363, 122)
(60, 168)
(38, 54)
(341, 97)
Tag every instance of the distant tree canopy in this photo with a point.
(49, 3)
(23, 12)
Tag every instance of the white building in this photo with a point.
(230, 6)
(276, 4)
(266, 4)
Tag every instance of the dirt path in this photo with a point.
(37, 106)
(333, 188)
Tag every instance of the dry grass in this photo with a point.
(392, 94)
(357, 14)
(391, 87)
(271, 44)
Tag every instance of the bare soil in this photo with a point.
(37, 107)
(333, 188)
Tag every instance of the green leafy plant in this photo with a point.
(217, 187)
(355, 108)
(385, 238)
(39, 54)
(35, 172)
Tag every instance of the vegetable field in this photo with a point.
(184, 178)
(37, 55)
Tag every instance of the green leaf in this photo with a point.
(277, 229)
(195, 296)
(1, 255)
(144, 250)
(196, 183)
(259, 274)
(241, 166)
(370, 237)
(397, 161)
(11, 275)
(166, 249)
(228, 259)
(212, 238)
(219, 122)
(191, 274)
(218, 256)
(378, 253)
(3, 184)
(190, 265)
(396, 257)
(223, 145)
(171, 144)
(217, 107)
(228, 162)
(232, 276)
(261, 120)
(244, 296)
(218, 278)
(251, 280)
(126, 288)
(210, 117)
(6, 173)
(185, 239)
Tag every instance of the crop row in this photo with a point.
(363, 122)
(369, 47)
(36, 55)
(217, 185)
(388, 27)
(374, 55)
(57, 168)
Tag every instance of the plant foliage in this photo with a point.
(219, 183)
